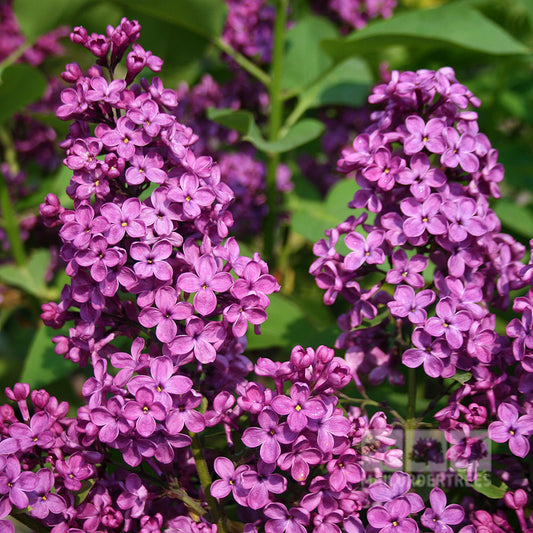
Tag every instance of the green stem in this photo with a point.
(178, 493)
(411, 422)
(205, 480)
(274, 126)
(10, 222)
(243, 61)
(10, 59)
(369, 401)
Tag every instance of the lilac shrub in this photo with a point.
(180, 430)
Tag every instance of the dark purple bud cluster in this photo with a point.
(425, 261)
(12, 38)
(240, 169)
(249, 28)
(354, 14)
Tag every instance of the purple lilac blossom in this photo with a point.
(444, 264)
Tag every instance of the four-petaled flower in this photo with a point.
(440, 516)
(513, 428)
(204, 283)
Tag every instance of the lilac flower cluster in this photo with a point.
(306, 463)
(425, 262)
(354, 14)
(146, 248)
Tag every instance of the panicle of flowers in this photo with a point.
(425, 262)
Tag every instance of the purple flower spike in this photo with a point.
(440, 517)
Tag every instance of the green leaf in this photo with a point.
(30, 277)
(515, 217)
(451, 24)
(528, 6)
(301, 133)
(305, 59)
(38, 18)
(347, 83)
(243, 121)
(462, 377)
(288, 324)
(43, 366)
(486, 483)
(20, 85)
(310, 218)
(203, 17)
